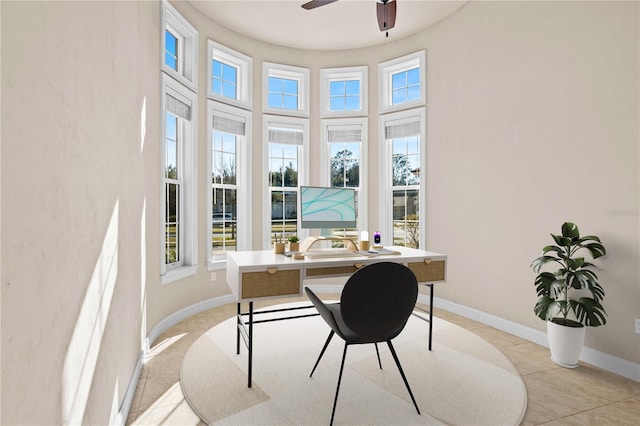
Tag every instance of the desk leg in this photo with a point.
(250, 341)
(430, 313)
(238, 324)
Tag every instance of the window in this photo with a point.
(345, 160)
(229, 76)
(179, 195)
(180, 47)
(172, 42)
(286, 89)
(343, 91)
(405, 86)
(283, 93)
(229, 132)
(403, 167)
(402, 82)
(285, 141)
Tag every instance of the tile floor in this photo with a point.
(586, 395)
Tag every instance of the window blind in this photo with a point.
(402, 128)
(344, 134)
(178, 108)
(229, 125)
(287, 135)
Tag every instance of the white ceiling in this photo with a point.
(345, 24)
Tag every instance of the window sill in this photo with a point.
(179, 273)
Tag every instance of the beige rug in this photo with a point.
(463, 381)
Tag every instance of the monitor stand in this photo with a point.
(348, 243)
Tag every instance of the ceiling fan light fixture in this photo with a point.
(386, 12)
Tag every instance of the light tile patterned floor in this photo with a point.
(556, 395)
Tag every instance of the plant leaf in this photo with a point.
(570, 230)
(589, 311)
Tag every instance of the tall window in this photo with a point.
(229, 75)
(404, 167)
(402, 82)
(343, 91)
(229, 223)
(285, 141)
(286, 89)
(180, 46)
(346, 161)
(179, 183)
(174, 240)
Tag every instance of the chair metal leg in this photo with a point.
(324, 348)
(406, 383)
(335, 400)
(378, 353)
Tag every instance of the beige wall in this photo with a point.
(528, 102)
(76, 180)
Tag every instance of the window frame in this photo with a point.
(244, 65)
(290, 72)
(303, 166)
(385, 148)
(327, 75)
(189, 206)
(243, 178)
(325, 163)
(387, 69)
(187, 72)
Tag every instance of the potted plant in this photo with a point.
(294, 243)
(556, 289)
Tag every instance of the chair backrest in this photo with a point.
(378, 299)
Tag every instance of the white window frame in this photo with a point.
(189, 204)
(325, 163)
(303, 166)
(243, 179)
(244, 65)
(301, 75)
(327, 75)
(386, 71)
(187, 35)
(385, 149)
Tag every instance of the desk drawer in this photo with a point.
(332, 271)
(266, 284)
(428, 272)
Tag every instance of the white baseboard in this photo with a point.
(613, 364)
(160, 328)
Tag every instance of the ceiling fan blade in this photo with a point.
(386, 12)
(316, 3)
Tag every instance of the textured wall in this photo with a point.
(80, 82)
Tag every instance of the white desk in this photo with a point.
(257, 275)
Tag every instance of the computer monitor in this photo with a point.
(326, 207)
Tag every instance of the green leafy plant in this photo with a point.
(574, 273)
(293, 239)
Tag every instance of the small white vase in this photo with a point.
(565, 343)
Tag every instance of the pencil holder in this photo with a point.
(279, 248)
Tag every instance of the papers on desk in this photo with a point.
(379, 252)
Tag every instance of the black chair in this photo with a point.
(375, 304)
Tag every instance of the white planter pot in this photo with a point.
(565, 344)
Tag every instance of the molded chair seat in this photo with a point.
(374, 307)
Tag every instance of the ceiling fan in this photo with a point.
(386, 11)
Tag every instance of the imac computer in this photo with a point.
(328, 208)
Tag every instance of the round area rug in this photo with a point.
(464, 380)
